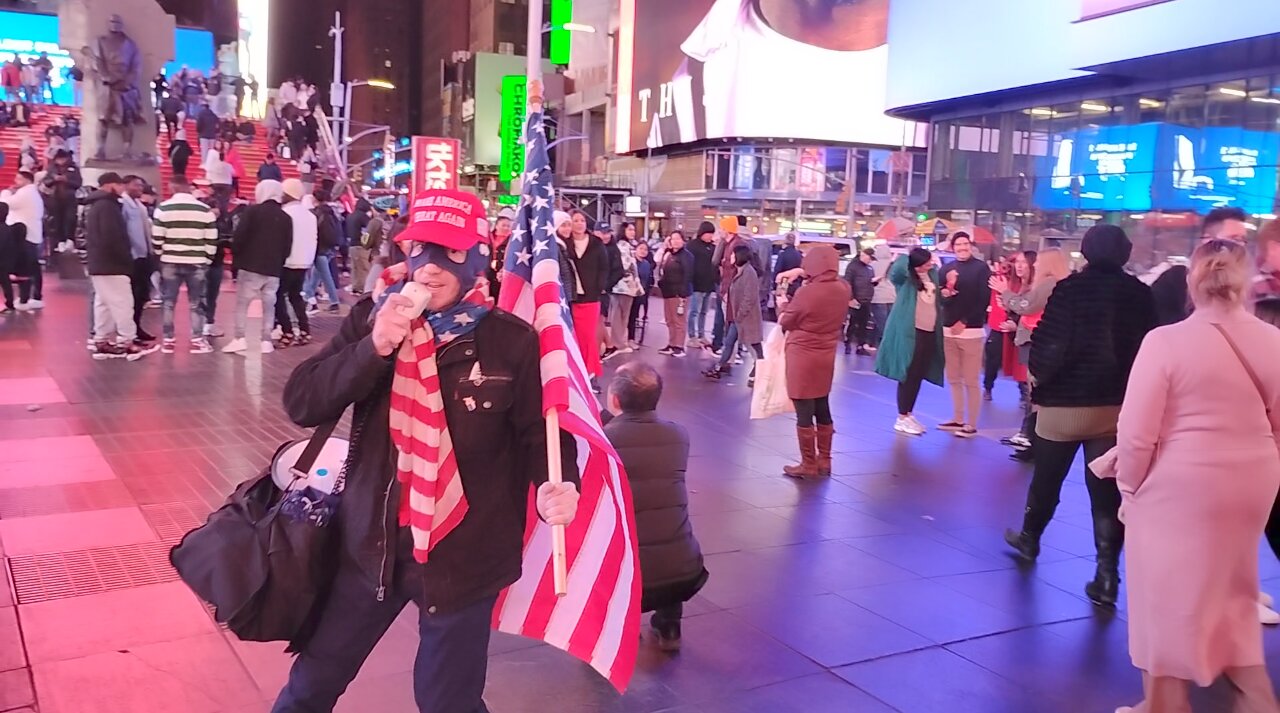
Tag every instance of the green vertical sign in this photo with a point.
(561, 15)
(514, 93)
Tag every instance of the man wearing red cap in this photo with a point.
(447, 437)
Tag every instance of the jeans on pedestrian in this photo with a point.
(717, 333)
(879, 315)
(141, 283)
(251, 286)
(322, 272)
(856, 333)
(33, 287)
(288, 295)
(212, 286)
(172, 278)
(700, 303)
(619, 315)
(633, 321)
(451, 665)
(113, 308)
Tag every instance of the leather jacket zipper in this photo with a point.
(386, 506)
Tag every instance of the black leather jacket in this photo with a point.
(499, 439)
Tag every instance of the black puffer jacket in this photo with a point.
(861, 278)
(705, 273)
(655, 453)
(1083, 349)
(499, 437)
(106, 236)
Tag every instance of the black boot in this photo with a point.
(1026, 543)
(1108, 538)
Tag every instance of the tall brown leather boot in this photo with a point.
(825, 434)
(807, 436)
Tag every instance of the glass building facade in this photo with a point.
(1152, 159)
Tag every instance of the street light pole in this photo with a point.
(344, 116)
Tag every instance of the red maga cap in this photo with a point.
(454, 219)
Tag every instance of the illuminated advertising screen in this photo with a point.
(1160, 166)
(947, 50)
(707, 69)
(28, 34)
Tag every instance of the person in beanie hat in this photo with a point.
(705, 278)
(1081, 355)
(448, 401)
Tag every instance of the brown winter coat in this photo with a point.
(813, 322)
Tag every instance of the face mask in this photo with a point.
(466, 265)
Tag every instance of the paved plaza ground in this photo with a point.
(884, 588)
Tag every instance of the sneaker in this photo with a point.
(335, 308)
(1266, 600)
(624, 350)
(667, 351)
(986, 394)
(35, 304)
(267, 346)
(667, 642)
(201, 346)
(678, 353)
(23, 307)
(869, 350)
(713, 373)
(211, 330)
(848, 348)
(737, 361)
(633, 346)
(144, 336)
(905, 425)
(235, 346)
(106, 350)
(133, 352)
(1267, 615)
(951, 426)
(313, 311)
(91, 345)
(285, 341)
(168, 346)
(302, 338)
(608, 354)
(1017, 440)
(916, 422)
(8, 309)
(595, 385)
(693, 343)
(967, 432)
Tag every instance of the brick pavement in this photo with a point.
(884, 588)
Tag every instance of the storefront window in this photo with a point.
(862, 174)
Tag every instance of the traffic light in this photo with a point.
(922, 217)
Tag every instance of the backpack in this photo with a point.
(328, 228)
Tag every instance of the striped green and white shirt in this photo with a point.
(184, 231)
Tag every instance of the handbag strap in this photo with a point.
(314, 446)
(1253, 375)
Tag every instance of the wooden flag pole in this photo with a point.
(533, 71)
(559, 559)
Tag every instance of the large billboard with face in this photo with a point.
(708, 69)
(947, 50)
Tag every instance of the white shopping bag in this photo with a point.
(769, 396)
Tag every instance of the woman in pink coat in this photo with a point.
(1198, 469)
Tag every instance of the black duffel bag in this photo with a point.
(266, 558)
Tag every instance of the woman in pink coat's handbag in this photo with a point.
(1198, 469)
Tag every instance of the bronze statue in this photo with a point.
(119, 67)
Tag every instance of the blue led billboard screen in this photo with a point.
(28, 34)
(1160, 166)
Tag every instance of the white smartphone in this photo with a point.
(420, 295)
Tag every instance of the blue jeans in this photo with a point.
(717, 334)
(213, 285)
(321, 272)
(731, 347)
(699, 306)
(448, 674)
(249, 287)
(172, 278)
(880, 313)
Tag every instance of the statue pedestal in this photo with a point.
(149, 170)
(81, 23)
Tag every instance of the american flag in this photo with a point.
(599, 620)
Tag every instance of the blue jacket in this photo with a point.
(899, 342)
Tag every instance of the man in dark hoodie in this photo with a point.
(965, 298)
(262, 242)
(705, 278)
(1081, 356)
(110, 265)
